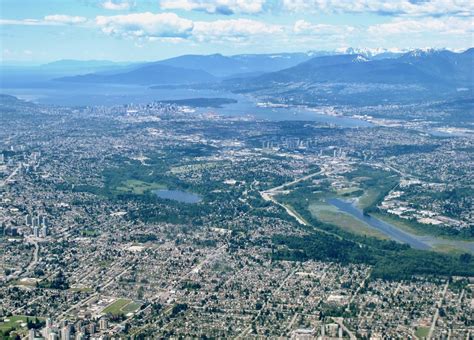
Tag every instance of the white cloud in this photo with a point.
(64, 19)
(449, 25)
(306, 28)
(216, 6)
(146, 25)
(172, 28)
(116, 5)
(25, 22)
(238, 29)
(386, 7)
(49, 20)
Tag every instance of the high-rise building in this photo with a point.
(66, 332)
(44, 231)
(103, 324)
(35, 231)
(28, 220)
(48, 328)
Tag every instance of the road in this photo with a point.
(436, 315)
(9, 178)
(267, 195)
(288, 184)
(35, 259)
(164, 296)
(99, 288)
(362, 284)
(246, 330)
(288, 328)
(193, 270)
(78, 304)
(30, 266)
(340, 321)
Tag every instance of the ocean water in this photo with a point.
(97, 94)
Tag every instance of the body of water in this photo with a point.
(391, 231)
(416, 241)
(178, 195)
(69, 94)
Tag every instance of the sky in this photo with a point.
(38, 31)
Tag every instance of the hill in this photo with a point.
(149, 74)
(435, 68)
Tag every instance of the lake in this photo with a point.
(178, 195)
(416, 241)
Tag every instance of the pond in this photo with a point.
(178, 195)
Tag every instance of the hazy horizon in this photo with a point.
(338, 51)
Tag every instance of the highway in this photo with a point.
(267, 195)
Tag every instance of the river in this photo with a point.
(424, 242)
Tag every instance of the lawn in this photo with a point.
(131, 307)
(138, 187)
(29, 282)
(369, 196)
(90, 232)
(422, 332)
(449, 249)
(81, 289)
(398, 222)
(14, 323)
(348, 191)
(121, 306)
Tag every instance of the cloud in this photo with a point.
(304, 27)
(444, 26)
(225, 7)
(25, 22)
(232, 30)
(173, 28)
(49, 20)
(145, 25)
(115, 5)
(64, 19)
(435, 8)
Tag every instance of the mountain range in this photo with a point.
(251, 72)
(194, 69)
(427, 69)
(441, 68)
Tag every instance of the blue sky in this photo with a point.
(135, 30)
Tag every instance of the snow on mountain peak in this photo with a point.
(360, 59)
